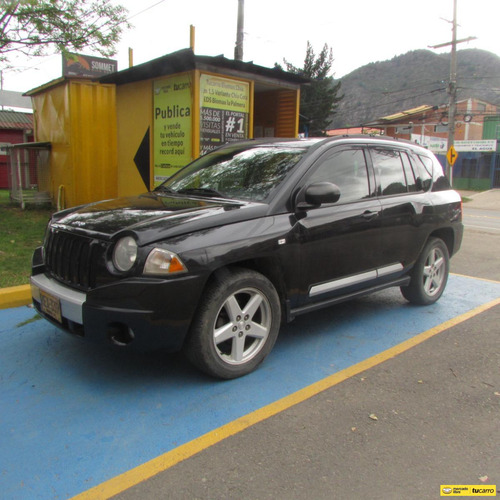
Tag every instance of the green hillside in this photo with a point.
(413, 79)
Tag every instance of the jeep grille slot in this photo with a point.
(72, 259)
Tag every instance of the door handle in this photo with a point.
(368, 214)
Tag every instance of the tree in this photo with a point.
(39, 27)
(319, 99)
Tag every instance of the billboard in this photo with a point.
(81, 66)
(224, 113)
(172, 125)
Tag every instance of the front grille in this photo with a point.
(73, 259)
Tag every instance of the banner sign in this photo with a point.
(224, 113)
(438, 145)
(435, 144)
(172, 143)
(483, 146)
(87, 66)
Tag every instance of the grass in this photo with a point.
(21, 231)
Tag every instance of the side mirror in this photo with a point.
(320, 193)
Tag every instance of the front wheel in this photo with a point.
(430, 274)
(236, 325)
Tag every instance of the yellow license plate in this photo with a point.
(50, 305)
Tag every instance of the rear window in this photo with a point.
(389, 170)
(424, 171)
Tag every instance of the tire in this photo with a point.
(236, 324)
(430, 274)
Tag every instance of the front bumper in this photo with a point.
(141, 313)
(71, 301)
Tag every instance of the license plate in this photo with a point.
(50, 305)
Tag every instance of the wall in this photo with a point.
(134, 103)
(469, 120)
(52, 124)
(276, 113)
(93, 142)
(8, 137)
(78, 118)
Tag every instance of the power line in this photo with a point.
(145, 10)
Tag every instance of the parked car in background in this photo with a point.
(244, 238)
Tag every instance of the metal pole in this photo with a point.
(20, 179)
(238, 49)
(452, 90)
(192, 36)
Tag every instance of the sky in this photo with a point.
(357, 31)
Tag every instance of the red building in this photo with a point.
(477, 138)
(15, 128)
(426, 124)
(478, 163)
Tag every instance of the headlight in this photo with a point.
(125, 254)
(161, 261)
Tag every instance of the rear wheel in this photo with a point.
(430, 274)
(236, 326)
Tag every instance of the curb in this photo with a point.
(15, 296)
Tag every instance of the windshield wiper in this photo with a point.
(164, 189)
(201, 192)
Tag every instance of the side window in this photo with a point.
(411, 181)
(346, 169)
(423, 171)
(389, 171)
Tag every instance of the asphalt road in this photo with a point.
(482, 220)
(424, 418)
(479, 253)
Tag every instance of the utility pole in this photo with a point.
(452, 86)
(452, 91)
(238, 49)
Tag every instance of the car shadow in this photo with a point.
(130, 369)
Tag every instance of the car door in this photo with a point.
(405, 208)
(340, 243)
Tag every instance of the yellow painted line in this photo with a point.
(163, 462)
(15, 296)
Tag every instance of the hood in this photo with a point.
(152, 217)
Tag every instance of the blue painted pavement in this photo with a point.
(73, 415)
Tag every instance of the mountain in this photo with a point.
(413, 79)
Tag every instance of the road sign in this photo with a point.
(452, 155)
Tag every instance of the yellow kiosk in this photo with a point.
(128, 131)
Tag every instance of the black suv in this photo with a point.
(245, 237)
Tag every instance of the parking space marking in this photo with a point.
(74, 415)
(162, 463)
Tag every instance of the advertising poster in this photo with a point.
(82, 66)
(172, 125)
(224, 114)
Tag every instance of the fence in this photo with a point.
(29, 173)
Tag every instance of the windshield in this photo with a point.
(249, 174)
